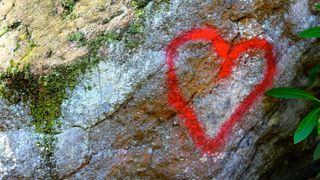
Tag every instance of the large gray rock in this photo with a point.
(116, 123)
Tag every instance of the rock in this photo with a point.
(73, 146)
(84, 89)
(20, 157)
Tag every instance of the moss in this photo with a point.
(78, 37)
(45, 93)
(107, 37)
(159, 3)
(47, 145)
(140, 4)
(68, 6)
(134, 34)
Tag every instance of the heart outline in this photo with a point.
(230, 53)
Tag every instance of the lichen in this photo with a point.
(45, 93)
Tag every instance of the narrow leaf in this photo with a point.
(313, 74)
(306, 126)
(316, 154)
(318, 127)
(310, 33)
(317, 6)
(291, 93)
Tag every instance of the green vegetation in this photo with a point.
(47, 146)
(133, 35)
(291, 93)
(140, 4)
(312, 120)
(311, 32)
(78, 37)
(107, 37)
(45, 93)
(158, 4)
(68, 6)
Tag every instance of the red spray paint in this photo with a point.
(230, 53)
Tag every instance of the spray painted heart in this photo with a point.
(230, 53)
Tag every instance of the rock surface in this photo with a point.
(108, 116)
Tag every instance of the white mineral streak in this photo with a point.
(112, 84)
(93, 144)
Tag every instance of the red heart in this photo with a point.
(230, 54)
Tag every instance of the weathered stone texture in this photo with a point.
(116, 122)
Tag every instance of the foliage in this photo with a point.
(312, 120)
(291, 93)
(45, 93)
(307, 125)
(310, 33)
(313, 75)
(68, 6)
(313, 32)
(78, 37)
(317, 6)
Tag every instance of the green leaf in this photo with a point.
(310, 33)
(318, 128)
(317, 6)
(316, 154)
(291, 93)
(313, 74)
(306, 126)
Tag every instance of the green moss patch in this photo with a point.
(68, 6)
(78, 37)
(45, 93)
